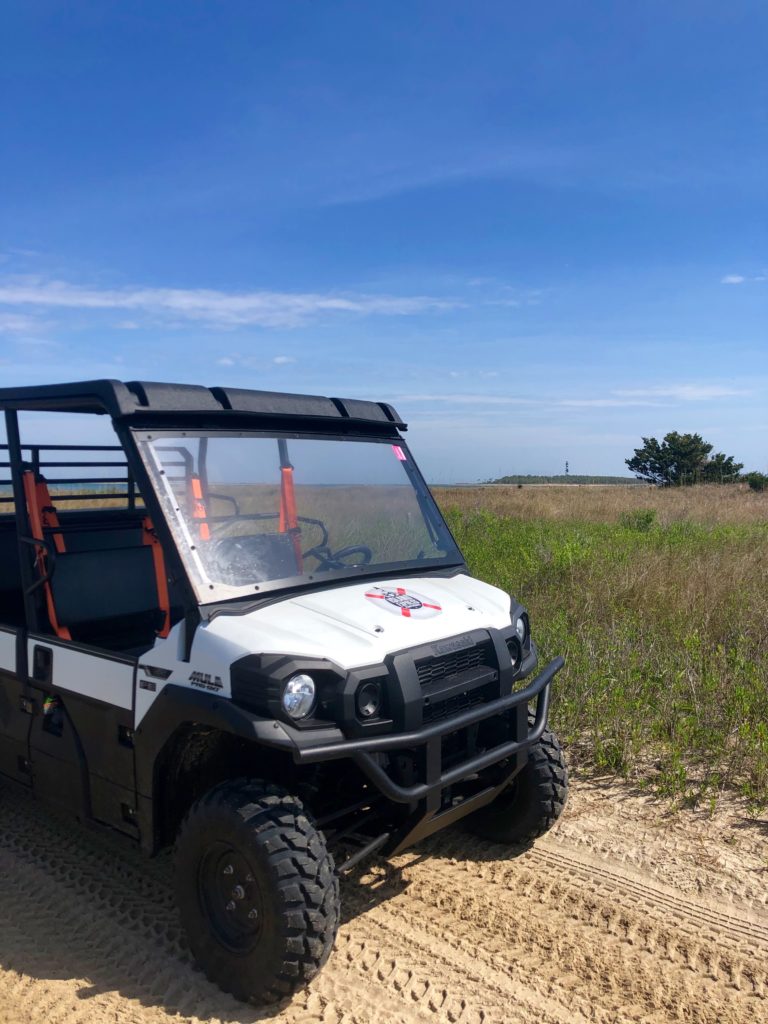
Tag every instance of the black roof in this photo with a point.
(147, 401)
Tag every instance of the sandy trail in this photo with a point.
(624, 913)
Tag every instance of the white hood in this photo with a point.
(358, 624)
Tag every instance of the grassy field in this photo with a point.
(658, 599)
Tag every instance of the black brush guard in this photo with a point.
(426, 796)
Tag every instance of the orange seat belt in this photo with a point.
(42, 516)
(198, 509)
(161, 577)
(289, 521)
(49, 515)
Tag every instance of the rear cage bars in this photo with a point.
(94, 484)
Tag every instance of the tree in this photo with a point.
(721, 469)
(682, 459)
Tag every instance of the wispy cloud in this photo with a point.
(517, 400)
(24, 330)
(250, 362)
(214, 308)
(605, 403)
(465, 399)
(15, 324)
(687, 392)
(740, 279)
(438, 166)
(615, 399)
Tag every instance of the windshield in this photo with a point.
(254, 513)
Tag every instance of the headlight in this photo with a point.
(299, 696)
(521, 628)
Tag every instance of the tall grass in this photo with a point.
(661, 611)
(729, 504)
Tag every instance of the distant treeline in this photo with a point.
(571, 478)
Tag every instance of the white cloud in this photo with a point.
(18, 324)
(517, 400)
(438, 167)
(686, 392)
(282, 360)
(459, 374)
(225, 361)
(653, 397)
(211, 307)
(467, 399)
(603, 403)
(740, 279)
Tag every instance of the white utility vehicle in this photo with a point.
(245, 629)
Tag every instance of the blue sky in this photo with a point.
(539, 230)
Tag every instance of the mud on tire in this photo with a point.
(534, 800)
(257, 891)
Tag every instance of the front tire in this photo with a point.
(532, 803)
(257, 891)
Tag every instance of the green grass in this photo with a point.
(665, 634)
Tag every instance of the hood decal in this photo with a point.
(404, 602)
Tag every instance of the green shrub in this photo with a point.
(757, 481)
(640, 519)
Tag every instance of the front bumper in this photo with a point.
(429, 811)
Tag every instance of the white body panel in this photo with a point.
(7, 651)
(91, 675)
(353, 625)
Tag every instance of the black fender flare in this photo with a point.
(178, 706)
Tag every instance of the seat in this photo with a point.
(105, 585)
(108, 598)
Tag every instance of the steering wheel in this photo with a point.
(335, 559)
(233, 558)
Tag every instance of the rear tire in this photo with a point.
(257, 891)
(532, 803)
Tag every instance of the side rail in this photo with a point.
(108, 480)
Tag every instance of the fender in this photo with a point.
(174, 708)
(177, 706)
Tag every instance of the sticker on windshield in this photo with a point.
(398, 452)
(404, 602)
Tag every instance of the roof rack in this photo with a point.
(150, 401)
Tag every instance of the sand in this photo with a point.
(628, 911)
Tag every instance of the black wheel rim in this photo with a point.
(231, 897)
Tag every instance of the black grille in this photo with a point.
(431, 670)
(453, 705)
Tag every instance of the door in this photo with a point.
(81, 742)
(15, 712)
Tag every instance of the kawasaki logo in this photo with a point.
(456, 643)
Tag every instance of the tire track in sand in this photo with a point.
(568, 948)
(452, 932)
